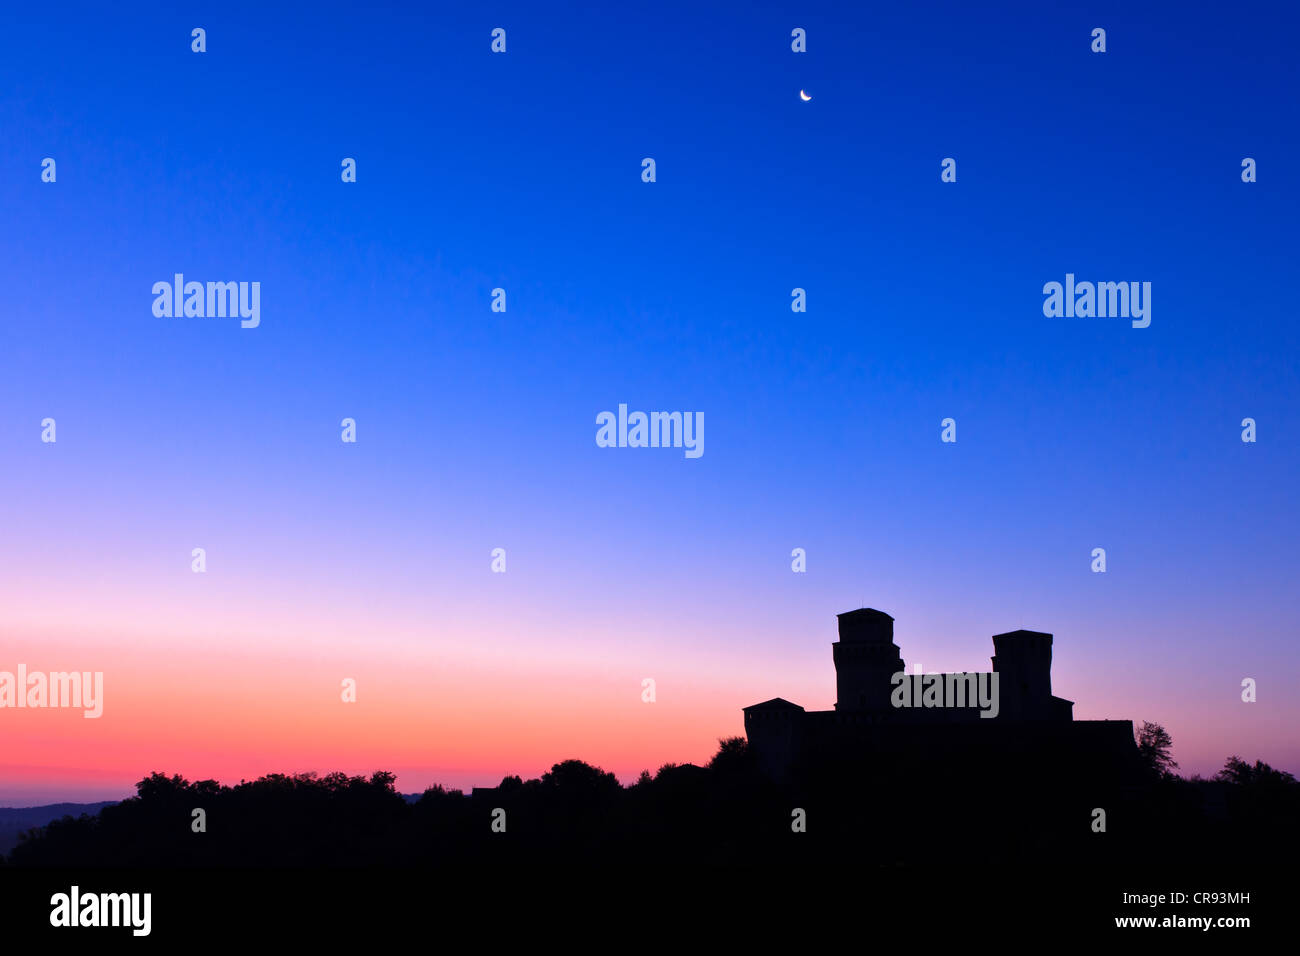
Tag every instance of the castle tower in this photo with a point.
(866, 658)
(1023, 660)
(773, 729)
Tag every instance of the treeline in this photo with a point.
(903, 812)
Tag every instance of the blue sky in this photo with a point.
(522, 171)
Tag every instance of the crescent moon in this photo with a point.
(804, 96)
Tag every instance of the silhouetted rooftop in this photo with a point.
(776, 703)
(1023, 634)
(864, 612)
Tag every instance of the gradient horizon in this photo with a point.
(476, 429)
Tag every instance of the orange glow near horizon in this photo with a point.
(468, 706)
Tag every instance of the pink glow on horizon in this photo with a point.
(469, 706)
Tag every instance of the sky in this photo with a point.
(522, 170)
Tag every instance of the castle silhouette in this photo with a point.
(1027, 718)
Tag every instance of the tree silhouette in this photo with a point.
(733, 753)
(1154, 743)
(1236, 770)
(727, 812)
(579, 778)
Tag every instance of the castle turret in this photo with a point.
(866, 658)
(773, 729)
(1023, 661)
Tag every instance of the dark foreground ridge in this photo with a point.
(908, 812)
